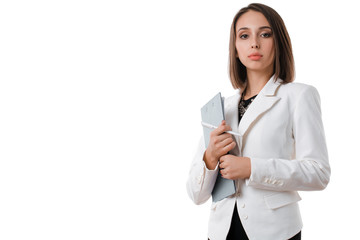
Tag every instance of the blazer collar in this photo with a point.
(264, 101)
(270, 87)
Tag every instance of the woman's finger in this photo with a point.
(224, 136)
(227, 141)
(230, 146)
(223, 127)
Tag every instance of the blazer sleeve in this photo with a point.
(201, 180)
(310, 170)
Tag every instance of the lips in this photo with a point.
(255, 56)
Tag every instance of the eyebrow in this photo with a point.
(246, 28)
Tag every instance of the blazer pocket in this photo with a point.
(279, 200)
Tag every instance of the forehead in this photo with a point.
(251, 19)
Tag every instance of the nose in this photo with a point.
(255, 43)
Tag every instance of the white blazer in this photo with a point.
(282, 133)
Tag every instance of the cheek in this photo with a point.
(240, 49)
(272, 54)
(270, 48)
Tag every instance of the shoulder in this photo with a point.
(296, 87)
(300, 96)
(233, 99)
(296, 90)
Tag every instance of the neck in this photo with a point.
(256, 81)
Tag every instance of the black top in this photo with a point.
(244, 105)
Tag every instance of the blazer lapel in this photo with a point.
(262, 103)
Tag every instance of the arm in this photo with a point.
(310, 170)
(204, 169)
(201, 180)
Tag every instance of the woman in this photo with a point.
(282, 146)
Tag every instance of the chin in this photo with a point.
(256, 66)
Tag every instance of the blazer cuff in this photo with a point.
(208, 177)
(261, 177)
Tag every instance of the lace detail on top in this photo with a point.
(244, 105)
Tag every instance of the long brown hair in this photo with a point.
(284, 60)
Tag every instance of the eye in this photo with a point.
(244, 36)
(265, 35)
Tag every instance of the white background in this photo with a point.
(99, 113)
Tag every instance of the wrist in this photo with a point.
(209, 162)
(248, 167)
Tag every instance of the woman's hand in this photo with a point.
(220, 144)
(233, 167)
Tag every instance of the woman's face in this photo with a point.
(254, 42)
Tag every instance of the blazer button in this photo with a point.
(267, 180)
